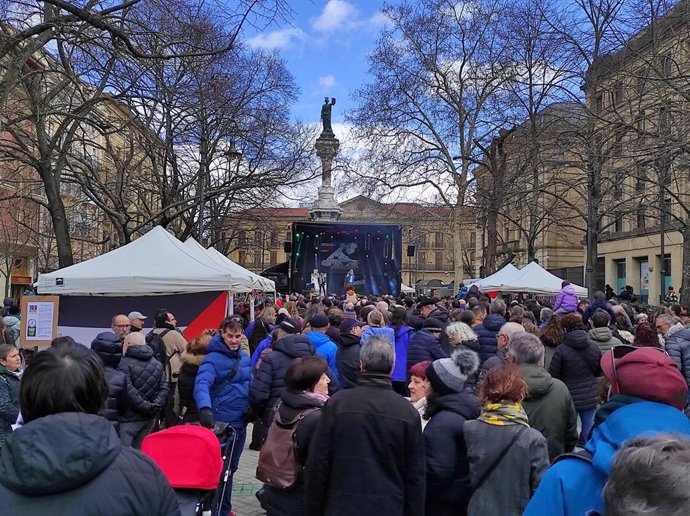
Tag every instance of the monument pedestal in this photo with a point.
(325, 209)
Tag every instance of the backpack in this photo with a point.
(278, 466)
(155, 342)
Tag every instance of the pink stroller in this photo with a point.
(195, 463)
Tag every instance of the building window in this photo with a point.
(664, 121)
(618, 224)
(242, 238)
(288, 235)
(258, 238)
(421, 260)
(473, 240)
(668, 65)
(641, 218)
(274, 258)
(618, 94)
(242, 258)
(258, 255)
(422, 241)
(599, 104)
(641, 125)
(439, 239)
(439, 260)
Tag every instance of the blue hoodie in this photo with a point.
(402, 342)
(228, 399)
(326, 348)
(572, 487)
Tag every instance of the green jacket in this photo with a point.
(603, 337)
(550, 409)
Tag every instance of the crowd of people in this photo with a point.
(456, 406)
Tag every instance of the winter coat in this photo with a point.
(498, 360)
(573, 486)
(122, 395)
(442, 315)
(268, 383)
(291, 502)
(424, 346)
(603, 337)
(486, 333)
(9, 402)
(12, 323)
(185, 386)
(509, 487)
(598, 304)
(175, 345)
(326, 348)
(576, 363)
(402, 343)
(333, 333)
(387, 333)
(228, 397)
(678, 348)
(74, 463)
(550, 409)
(367, 454)
(145, 373)
(347, 360)
(447, 466)
(567, 300)
(256, 356)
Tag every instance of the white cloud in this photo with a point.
(336, 14)
(277, 39)
(327, 81)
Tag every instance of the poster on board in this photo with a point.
(39, 316)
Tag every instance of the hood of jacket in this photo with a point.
(295, 346)
(218, 345)
(441, 314)
(539, 381)
(600, 334)
(493, 322)
(644, 417)
(348, 340)
(576, 339)
(57, 453)
(318, 339)
(110, 350)
(569, 290)
(191, 359)
(402, 330)
(142, 352)
(10, 320)
(464, 403)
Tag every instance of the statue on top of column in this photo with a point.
(326, 115)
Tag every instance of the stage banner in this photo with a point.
(327, 258)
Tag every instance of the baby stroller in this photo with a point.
(196, 462)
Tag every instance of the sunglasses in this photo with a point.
(618, 352)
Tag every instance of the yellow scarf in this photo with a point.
(504, 413)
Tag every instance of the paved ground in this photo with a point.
(245, 485)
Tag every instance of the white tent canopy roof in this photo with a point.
(494, 281)
(533, 279)
(155, 264)
(244, 280)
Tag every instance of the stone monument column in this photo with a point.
(325, 208)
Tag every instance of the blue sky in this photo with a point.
(325, 47)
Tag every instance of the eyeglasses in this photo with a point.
(122, 326)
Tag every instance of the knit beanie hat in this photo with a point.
(448, 375)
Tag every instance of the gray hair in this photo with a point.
(377, 355)
(545, 314)
(459, 332)
(669, 319)
(498, 306)
(526, 348)
(662, 461)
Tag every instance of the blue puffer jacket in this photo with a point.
(388, 333)
(596, 305)
(326, 348)
(268, 384)
(678, 348)
(228, 399)
(572, 486)
(486, 333)
(424, 346)
(264, 344)
(402, 343)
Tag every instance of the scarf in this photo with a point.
(504, 413)
(316, 395)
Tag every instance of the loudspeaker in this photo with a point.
(410, 250)
(287, 247)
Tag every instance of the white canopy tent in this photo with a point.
(494, 282)
(406, 290)
(155, 264)
(534, 279)
(258, 282)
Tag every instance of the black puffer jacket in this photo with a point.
(447, 466)
(185, 386)
(122, 395)
(424, 346)
(486, 332)
(268, 384)
(145, 373)
(347, 359)
(442, 315)
(576, 363)
(73, 463)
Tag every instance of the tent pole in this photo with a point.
(251, 306)
(230, 304)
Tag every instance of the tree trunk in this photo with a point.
(58, 218)
(592, 229)
(492, 236)
(685, 278)
(457, 245)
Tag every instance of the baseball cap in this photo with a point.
(136, 315)
(347, 324)
(318, 321)
(291, 326)
(647, 373)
